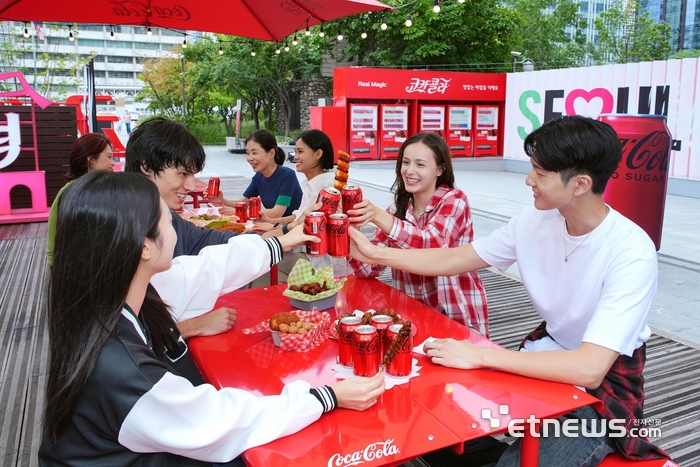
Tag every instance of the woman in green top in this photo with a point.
(90, 152)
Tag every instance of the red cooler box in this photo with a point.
(638, 188)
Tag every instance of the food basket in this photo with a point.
(303, 273)
(298, 342)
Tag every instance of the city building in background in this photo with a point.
(684, 18)
(46, 52)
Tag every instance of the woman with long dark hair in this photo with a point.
(111, 398)
(92, 151)
(428, 212)
(277, 186)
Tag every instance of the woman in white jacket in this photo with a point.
(112, 398)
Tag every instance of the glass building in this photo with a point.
(682, 15)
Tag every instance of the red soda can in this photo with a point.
(402, 363)
(330, 197)
(315, 224)
(254, 208)
(242, 212)
(338, 238)
(382, 323)
(351, 195)
(213, 188)
(637, 189)
(365, 351)
(346, 332)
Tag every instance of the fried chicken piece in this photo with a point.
(282, 318)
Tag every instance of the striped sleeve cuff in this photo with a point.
(276, 253)
(326, 397)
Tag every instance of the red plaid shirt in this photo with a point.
(446, 223)
(622, 394)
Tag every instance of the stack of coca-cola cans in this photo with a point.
(362, 347)
(329, 225)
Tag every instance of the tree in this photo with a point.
(550, 33)
(691, 53)
(477, 33)
(626, 34)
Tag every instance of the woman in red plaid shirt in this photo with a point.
(428, 212)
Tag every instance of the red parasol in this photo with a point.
(270, 20)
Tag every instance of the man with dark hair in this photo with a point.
(167, 153)
(590, 273)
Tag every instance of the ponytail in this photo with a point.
(279, 155)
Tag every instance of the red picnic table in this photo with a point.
(441, 407)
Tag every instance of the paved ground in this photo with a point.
(497, 196)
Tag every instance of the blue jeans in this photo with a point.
(562, 451)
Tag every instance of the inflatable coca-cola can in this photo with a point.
(637, 189)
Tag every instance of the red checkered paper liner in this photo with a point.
(300, 342)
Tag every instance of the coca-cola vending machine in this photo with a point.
(486, 131)
(432, 118)
(394, 129)
(363, 131)
(459, 130)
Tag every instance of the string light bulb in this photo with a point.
(294, 40)
(409, 20)
(111, 34)
(436, 6)
(321, 33)
(70, 34)
(286, 45)
(363, 34)
(340, 35)
(184, 43)
(460, 1)
(277, 48)
(252, 51)
(221, 48)
(26, 31)
(148, 31)
(307, 32)
(384, 25)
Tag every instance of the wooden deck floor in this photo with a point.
(672, 372)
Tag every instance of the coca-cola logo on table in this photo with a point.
(371, 452)
(647, 158)
(138, 9)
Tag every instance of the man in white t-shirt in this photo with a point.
(590, 273)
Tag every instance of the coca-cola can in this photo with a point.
(351, 195)
(346, 333)
(254, 208)
(365, 351)
(315, 224)
(330, 197)
(338, 238)
(213, 188)
(637, 189)
(242, 212)
(403, 361)
(382, 323)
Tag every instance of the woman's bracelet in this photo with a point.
(285, 228)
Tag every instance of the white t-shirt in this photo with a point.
(311, 188)
(602, 295)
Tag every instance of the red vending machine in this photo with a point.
(459, 130)
(486, 129)
(394, 129)
(363, 131)
(432, 118)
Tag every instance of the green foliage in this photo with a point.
(213, 133)
(692, 53)
(541, 32)
(626, 34)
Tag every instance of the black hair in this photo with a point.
(441, 153)
(159, 143)
(88, 145)
(97, 252)
(268, 142)
(316, 139)
(573, 145)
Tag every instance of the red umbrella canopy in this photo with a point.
(270, 20)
